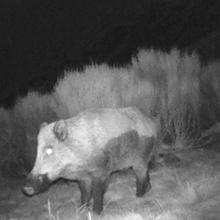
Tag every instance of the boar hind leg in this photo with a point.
(141, 170)
(85, 187)
(142, 181)
(99, 186)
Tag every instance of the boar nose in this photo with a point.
(31, 183)
(28, 190)
(36, 184)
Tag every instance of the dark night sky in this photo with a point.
(40, 38)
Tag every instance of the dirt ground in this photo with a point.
(188, 188)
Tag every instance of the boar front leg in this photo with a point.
(142, 181)
(99, 186)
(141, 169)
(85, 186)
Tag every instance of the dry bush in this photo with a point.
(6, 133)
(175, 77)
(210, 91)
(28, 114)
(5, 128)
(100, 86)
(11, 143)
(32, 110)
(80, 90)
(22, 125)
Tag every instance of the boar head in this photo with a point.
(53, 156)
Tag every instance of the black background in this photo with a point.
(41, 38)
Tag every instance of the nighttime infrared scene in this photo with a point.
(109, 110)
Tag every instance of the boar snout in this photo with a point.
(36, 184)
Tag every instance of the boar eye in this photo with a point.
(49, 150)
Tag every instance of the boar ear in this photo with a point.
(60, 130)
(43, 125)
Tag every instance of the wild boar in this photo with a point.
(90, 147)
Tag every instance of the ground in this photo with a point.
(188, 188)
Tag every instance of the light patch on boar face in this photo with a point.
(53, 152)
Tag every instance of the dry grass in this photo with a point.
(100, 86)
(190, 190)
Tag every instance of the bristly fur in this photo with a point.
(92, 146)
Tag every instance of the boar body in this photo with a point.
(90, 147)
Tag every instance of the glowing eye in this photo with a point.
(49, 151)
